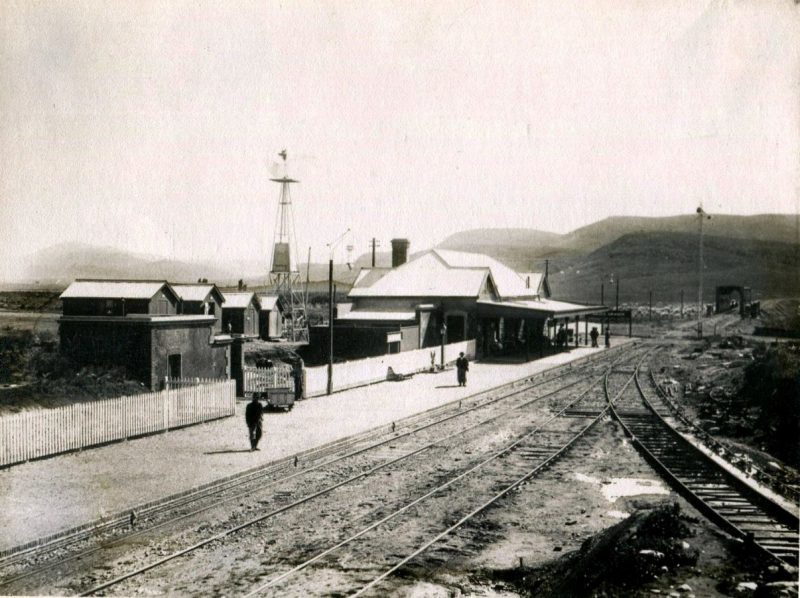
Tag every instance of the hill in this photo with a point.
(646, 253)
(666, 262)
(524, 249)
(59, 265)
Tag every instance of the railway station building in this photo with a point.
(450, 296)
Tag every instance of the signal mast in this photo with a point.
(284, 274)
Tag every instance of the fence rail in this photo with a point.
(33, 434)
(262, 379)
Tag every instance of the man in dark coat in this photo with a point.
(462, 367)
(594, 334)
(253, 415)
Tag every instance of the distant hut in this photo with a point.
(201, 299)
(240, 313)
(271, 316)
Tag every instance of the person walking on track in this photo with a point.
(253, 415)
(462, 366)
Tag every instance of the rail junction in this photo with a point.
(463, 459)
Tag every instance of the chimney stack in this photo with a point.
(399, 252)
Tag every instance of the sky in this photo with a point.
(154, 127)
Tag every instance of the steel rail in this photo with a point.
(771, 509)
(506, 449)
(719, 448)
(252, 477)
(64, 539)
(366, 473)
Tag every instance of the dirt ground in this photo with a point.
(493, 555)
(601, 482)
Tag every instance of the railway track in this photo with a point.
(506, 470)
(532, 450)
(259, 481)
(735, 506)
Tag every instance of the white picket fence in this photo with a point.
(33, 434)
(375, 369)
(262, 379)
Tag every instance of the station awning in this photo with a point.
(544, 308)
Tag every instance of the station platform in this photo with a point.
(47, 496)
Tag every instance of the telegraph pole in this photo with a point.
(374, 243)
(701, 216)
(331, 246)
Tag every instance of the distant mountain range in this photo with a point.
(520, 247)
(658, 254)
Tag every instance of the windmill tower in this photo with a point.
(284, 274)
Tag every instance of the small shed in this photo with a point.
(94, 297)
(271, 316)
(137, 324)
(201, 299)
(240, 313)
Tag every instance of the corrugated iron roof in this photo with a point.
(368, 276)
(509, 283)
(443, 273)
(195, 292)
(532, 280)
(547, 307)
(426, 276)
(268, 302)
(239, 300)
(114, 289)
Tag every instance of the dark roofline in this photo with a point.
(214, 289)
(163, 283)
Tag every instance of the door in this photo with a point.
(174, 366)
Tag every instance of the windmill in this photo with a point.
(284, 274)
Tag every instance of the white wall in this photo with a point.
(376, 369)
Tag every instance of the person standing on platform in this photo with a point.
(297, 374)
(608, 337)
(594, 334)
(462, 367)
(253, 415)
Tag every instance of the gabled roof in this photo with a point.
(240, 300)
(368, 276)
(536, 282)
(116, 289)
(269, 302)
(444, 273)
(426, 276)
(198, 292)
(509, 283)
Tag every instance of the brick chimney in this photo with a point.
(399, 252)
